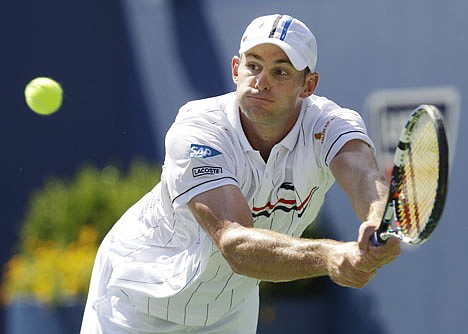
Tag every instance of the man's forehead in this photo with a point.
(268, 52)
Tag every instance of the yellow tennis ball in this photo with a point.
(43, 95)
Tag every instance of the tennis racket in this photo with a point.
(418, 184)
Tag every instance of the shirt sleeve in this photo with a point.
(199, 157)
(334, 129)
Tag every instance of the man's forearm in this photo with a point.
(370, 197)
(272, 256)
(269, 255)
(356, 171)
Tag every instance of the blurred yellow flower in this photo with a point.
(52, 273)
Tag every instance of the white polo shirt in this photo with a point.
(161, 258)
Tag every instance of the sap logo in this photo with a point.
(202, 151)
(206, 170)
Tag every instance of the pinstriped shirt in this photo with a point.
(162, 259)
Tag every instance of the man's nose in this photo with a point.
(262, 81)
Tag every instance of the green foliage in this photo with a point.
(64, 224)
(93, 197)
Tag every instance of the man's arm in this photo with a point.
(267, 255)
(356, 171)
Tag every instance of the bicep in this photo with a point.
(353, 159)
(220, 210)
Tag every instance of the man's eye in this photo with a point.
(253, 67)
(281, 72)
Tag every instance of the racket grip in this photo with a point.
(376, 240)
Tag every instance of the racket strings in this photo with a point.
(420, 179)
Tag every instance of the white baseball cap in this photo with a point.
(286, 32)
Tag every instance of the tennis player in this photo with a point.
(244, 174)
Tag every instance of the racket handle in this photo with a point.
(376, 240)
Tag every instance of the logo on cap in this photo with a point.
(284, 30)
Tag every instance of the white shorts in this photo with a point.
(112, 314)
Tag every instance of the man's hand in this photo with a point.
(348, 267)
(376, 256)
(354, 264)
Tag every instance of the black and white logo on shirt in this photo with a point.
(206, 170)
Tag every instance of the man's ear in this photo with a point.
(311, 82)
(235, 68)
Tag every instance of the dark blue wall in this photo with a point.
(83, 45)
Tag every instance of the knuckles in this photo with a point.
(352, 268)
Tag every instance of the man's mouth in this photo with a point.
(260, 98)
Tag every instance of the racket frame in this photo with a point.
(389, 227)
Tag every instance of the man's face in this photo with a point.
(269, 89)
